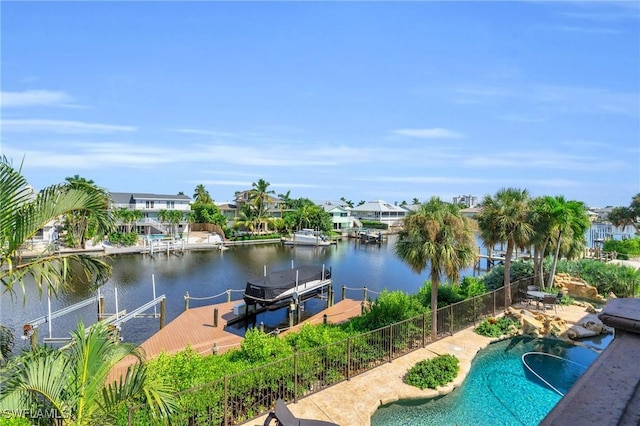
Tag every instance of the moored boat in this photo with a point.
(307, 237)
(277, 288)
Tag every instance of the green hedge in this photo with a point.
(492, 327)
(626, 249)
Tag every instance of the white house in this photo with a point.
(341, 217)
(150, 205)
(379, 211)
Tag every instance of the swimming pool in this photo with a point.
(497, 390)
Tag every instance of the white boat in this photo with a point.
(307, 237)
(280, 287)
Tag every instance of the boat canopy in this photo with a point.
(267, 288)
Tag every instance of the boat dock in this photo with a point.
(195, 328)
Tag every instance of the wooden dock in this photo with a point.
(194, 328)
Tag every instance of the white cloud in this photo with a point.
(542, 160)
(433, 133)
(61, 126)
(34, 98)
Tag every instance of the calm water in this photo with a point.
(498, 390)
(207, 273)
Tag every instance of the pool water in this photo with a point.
(498, 390)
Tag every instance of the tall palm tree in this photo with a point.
(570, 222)
(75, 381)
(542, 224)
(504, 218)
(201, 195)
(436, 235)
(82, 224)
(259, 198)
(171, 218)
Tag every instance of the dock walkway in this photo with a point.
(194, 328)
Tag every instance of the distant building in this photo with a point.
(466, 200)
(341, 217)
(380, 211)
(150, 205)
(274, 205)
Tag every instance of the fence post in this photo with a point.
(226, 401)
(348, 358)
(451, 319)
(228, 295)
(424, 329)
(186, 301)
(295, 377)
(390, 343)
(344, 292)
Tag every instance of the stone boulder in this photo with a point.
(576, 287)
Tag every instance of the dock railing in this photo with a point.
(249, 394)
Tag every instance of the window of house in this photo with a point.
(171, 204)
(149, 204)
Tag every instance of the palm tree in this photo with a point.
(415, 202)
(84, 224)
(172, 218)
(75, 381)
(23, 213)
(346, 202)
(439, 236)
(504, 218)
(201, 195)
(259, 198)
(570, 222)
(286, 199)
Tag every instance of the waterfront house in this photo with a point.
(341, 217)
(379, 211)
(150, 205)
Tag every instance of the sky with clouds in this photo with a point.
(362, 100)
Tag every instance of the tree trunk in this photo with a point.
(552, 273)
(435, 283)
(507, 274)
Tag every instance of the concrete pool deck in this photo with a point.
(353, 402)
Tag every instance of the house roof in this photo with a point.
(129, 197)
(378, 206)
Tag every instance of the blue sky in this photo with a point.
(362, 100)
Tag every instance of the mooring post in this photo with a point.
(324, 319)
(344, 292)
(34, 338)
(163, 307)
(100, 308)
(215, 317)
(186, 301)
(228, 295)
(290, 317)
(364, 295)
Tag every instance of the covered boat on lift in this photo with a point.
(281, 287)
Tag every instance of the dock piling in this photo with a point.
(186, 301)
(215, 317)
(163, 310)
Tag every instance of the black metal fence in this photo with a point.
(243, 396)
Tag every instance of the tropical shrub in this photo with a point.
(626, 248)
(447, 294)
(374, 225)
(520, 269)
(390, 307)
(496, 327)
(431, 373)
(472, 287)
(123, 238)
(606, 277)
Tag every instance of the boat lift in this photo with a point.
(30, 329)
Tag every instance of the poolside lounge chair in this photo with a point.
(284, 417)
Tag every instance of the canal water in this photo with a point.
(211, 272)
